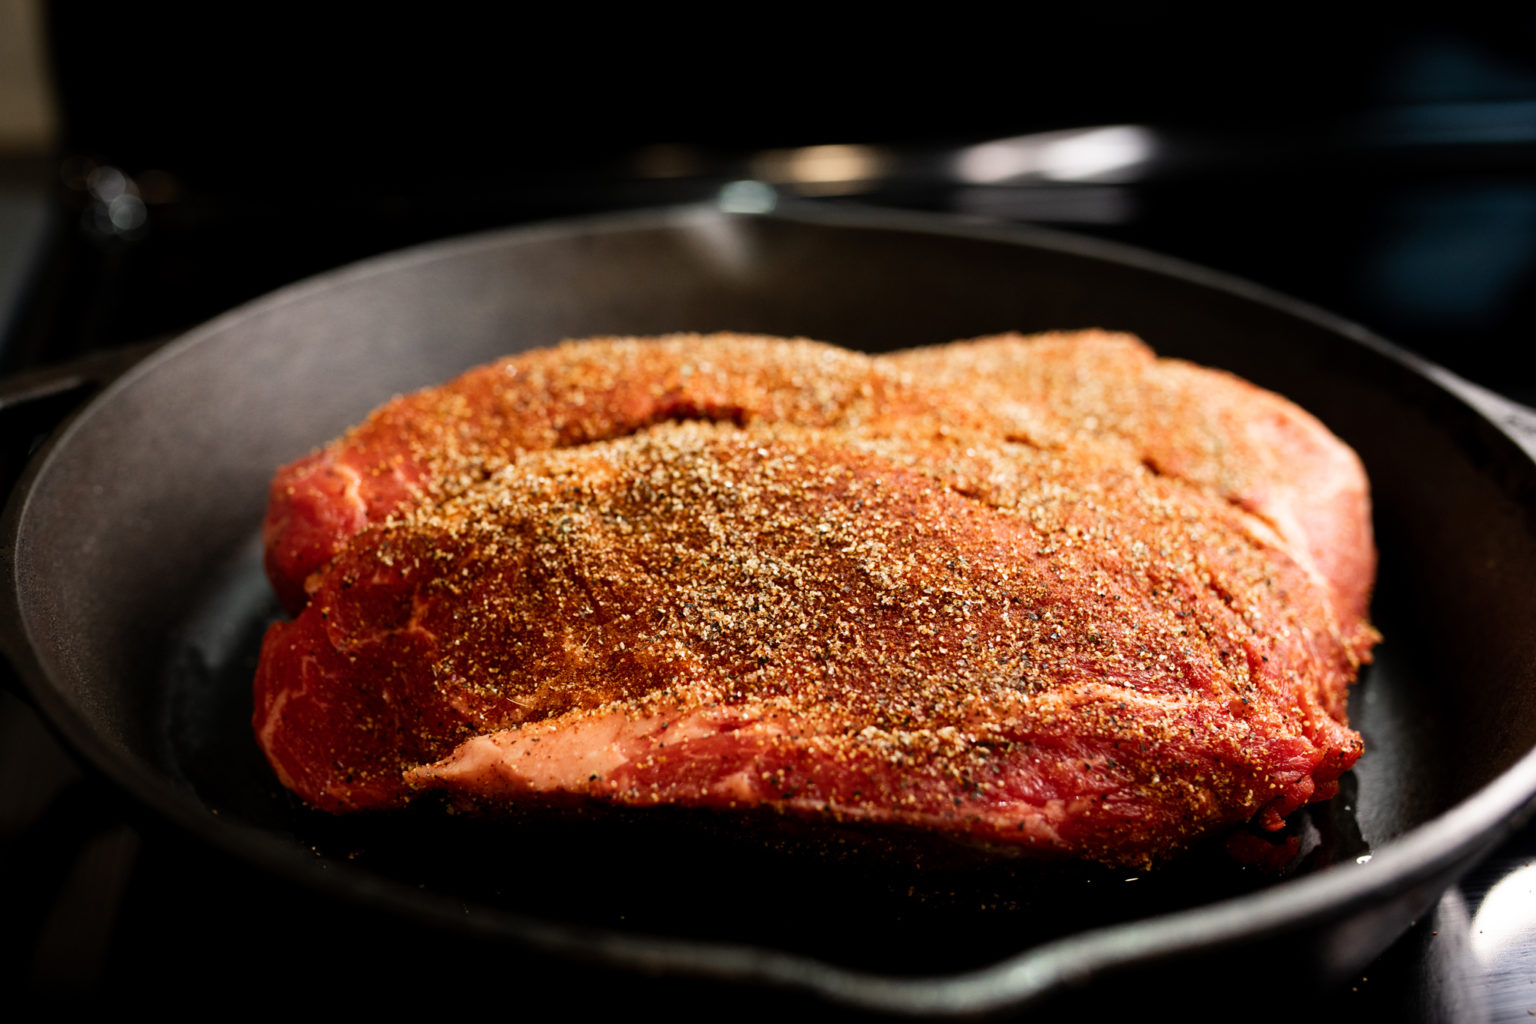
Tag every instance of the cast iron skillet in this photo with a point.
(134, 601)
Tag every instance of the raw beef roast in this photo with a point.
(1051, 593)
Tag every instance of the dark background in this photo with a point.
(1380, 167)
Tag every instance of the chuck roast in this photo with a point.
(1049, 593)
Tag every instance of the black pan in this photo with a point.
(133, 601)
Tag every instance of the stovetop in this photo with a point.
(1417, 220)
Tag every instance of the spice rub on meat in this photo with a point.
(989, 590)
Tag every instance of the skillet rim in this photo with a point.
(1450, 840)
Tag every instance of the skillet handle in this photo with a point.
(1516, 420)
(35, 402)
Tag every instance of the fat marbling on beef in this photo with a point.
(1049, 593)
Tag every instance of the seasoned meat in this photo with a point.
(966, 590)
(421, 446)
(1247, 445)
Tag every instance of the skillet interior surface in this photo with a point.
(140, 598)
